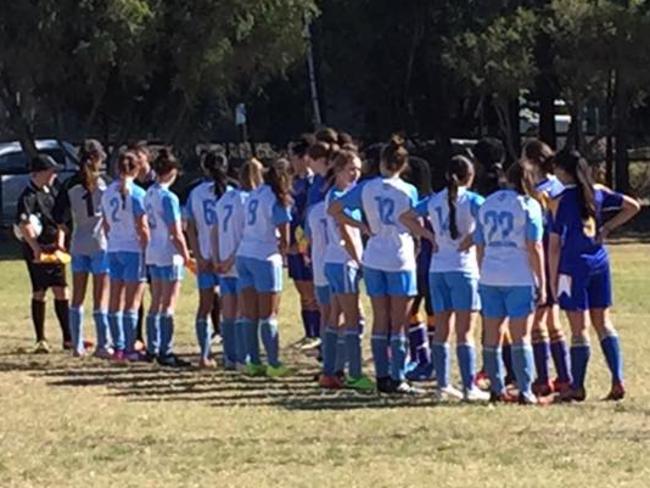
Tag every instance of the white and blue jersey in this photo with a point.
(230, 219)
(200, 209)
(163, 212)
(120, 212)
(316, 229)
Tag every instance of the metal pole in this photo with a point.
(313, 87)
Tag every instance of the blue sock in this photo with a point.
(353, 353)
(493, 362)
(523, 363)
(166, 334)
(417, 340)
(542, 353)
(228, 334)
(507, 360)
(560, 353)
(316, 319)
(270, 338)
(611, 347)
(204, 337)
(398, 352)
(329, 351)
(580, 353)
(252, 340)
(76, 317)
(306, 324)
(440, 354)
(130, 319)
(240, 341)
(379, 345)
(117, 330)
(101, 328)
(311, 323)
(466, 355)
(153, 333)
(341, 356)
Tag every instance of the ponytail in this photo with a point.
(215, 166)
(540, 154)
(572, 162)
(395, 157)
(127, 167)
(165, 162)
(251, 174)
(460, 172)
(90, 151)
(522, 180)
(279, 180)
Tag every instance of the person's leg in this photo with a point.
(215, 313)
(541, 349)
(330, 341)
(494, 319)
(268, 306)
(62, 310)
(202, 323)
(399, 317)
(38, 315)
(349, 303)
(379, 339)
(76, 317)
(559, 348)
(309, 311)
(609, 343)
(170, 292)
(133, 291)
(115, 307)
(100, 313)
(520, 307)
(442, 305)
(228, 289)
(580, 349)
(154, 317)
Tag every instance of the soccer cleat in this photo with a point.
(280, 371)
(310, 345)
(118, 358)
(255, 370)
(300, 343)
(420, 372)
(240, 367)
(330, 382)
(173, 361)
(78, 354)
(573, 395)
(229, 365)
(139, 345)
(526, 399)
(103, 353)
(482, 380)
(136, 357)
(42, 347)
(560, 386)
(475, 395)
(616, 394)
(404, 388)
(363, 384)
(207, 363)
(541, 388)
(149, 357)
(504, 397)
(67, 345)
(385, 385)
(448, 392)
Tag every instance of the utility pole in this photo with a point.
(317, 119)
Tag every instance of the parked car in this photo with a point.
(14, 171)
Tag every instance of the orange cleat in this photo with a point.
(617, 393)
(330, 382)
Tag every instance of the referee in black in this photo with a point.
(38, 203)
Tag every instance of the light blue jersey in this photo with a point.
(448, 258)
(507, 221)
(230, 219)
(120, 212)
(163, 212)
(335, 251)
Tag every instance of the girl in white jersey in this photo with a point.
(453, 275)
(509, 239)
(167, 253)
(259, 268)
(202, 217)
(226, 237)
(127, 233)
(389, 266)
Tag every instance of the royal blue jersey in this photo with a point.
(317, 190)
(299, 192)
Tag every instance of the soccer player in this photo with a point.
(547, 324)
(259, 268)
(41, 234)
(166, 256)
(388, 262)
(579, 267)
(453, 276)
(81, 201)
(127, 233)
(509, 238)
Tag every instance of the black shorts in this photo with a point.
(44, 276)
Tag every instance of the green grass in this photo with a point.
(70, 423)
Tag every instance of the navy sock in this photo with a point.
(353, 353)
(306, 322)
(542, 352)
(379, 345)
(204, 337)
(560, 353)
(241, 341)
(580, 353)
(38, 318)
(117, 330)
(341, 356)
(507, 361)
(61, 309)
(440, 354)
(166, 334)
(229, 337)
(611, 347)
(153, 333)
(417, 341)
(466, 355)
(270, 338)
(252, 340)
(329, 351)
(130, 320)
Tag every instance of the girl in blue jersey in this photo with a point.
(166, 256)
(127, 233)
(226, 237)
(546, 324)
(388, 262)
(579, 267)
(259, 268)
(201, 211)
(343, 272)
(453, 275)
(509, 244)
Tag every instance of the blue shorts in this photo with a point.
(323, 295)
(168, 274)
(299, 269)
(584, 291)
(96, 264)
(265, 276)
(127, 266)
(515, 302)
(454, 290)
(228, 285)
(390, 283)
(342, 278)
(207, 280)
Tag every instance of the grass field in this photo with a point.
(69, 423)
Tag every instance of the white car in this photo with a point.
(14, 172)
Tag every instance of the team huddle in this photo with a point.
(500, 249)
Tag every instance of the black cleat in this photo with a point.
(173, 361)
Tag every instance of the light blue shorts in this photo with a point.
(96, 264)
(127, 266)
(454, 290)
(228, 285)
(342, 278)
(207, 280)
(514, 302)
(323, 295)
(390, 283)
(265, 276)
(168, 274)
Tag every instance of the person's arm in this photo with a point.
(629, 208)
(412, 221)
(282, 220)
(172, 218)
(350, 200)
(534, 236)
(141, 222)
(475, 203)
(348, 243)
(30, 237)
(554, 249)
(479, 242)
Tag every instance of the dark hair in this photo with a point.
(251, 174)
(345, 139)
(327, 135)
(89, 150)
(320, 150)
(127, 165)
(490, 154)
(572, 162)
(394, 155)
(215, 166)
(539, 153)
(459, 170)
(419, 175)
(299, 148)
(165, 162)
(521, 178)
(277, 177)
(340, 160)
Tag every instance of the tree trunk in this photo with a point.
(547, 114)
(622, 176)
(17, 120)
(502, 108)
(609, 142)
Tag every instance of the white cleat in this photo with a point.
(448, 392)
(476, 395)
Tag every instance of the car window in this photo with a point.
(16, 162)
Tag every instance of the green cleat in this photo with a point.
(363, 384)
(280, 371)
(255, 370)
